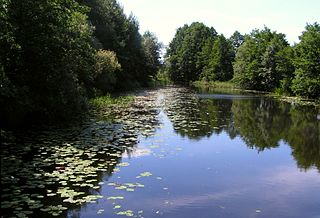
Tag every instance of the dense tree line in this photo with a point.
(185, 51)
(57, 53)
(262, 60)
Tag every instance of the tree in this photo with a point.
(306, 80)
(114, 31)
(219, 60)
(47, 60)
(54, 54)
(109, 23)
(106, 69)
(236, 40)
(260, 63)
(184, 52)
(246, 66)
(151, 48)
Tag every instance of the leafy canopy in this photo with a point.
(258, 60)
(306, 80)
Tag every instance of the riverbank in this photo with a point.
(229, 86)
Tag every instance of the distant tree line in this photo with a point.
(262, 60)
(55, 54)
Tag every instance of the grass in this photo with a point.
(215, 84)
(281, 96)
(298, 100)
(108, 101)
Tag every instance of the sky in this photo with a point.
(163, 17)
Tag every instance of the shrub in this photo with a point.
(106, 69)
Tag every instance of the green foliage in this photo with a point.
(213, 84)
(54, 53)
(152, 49)
(109, 21)
(306, 80)
(260, 62)
(163, 76)
(108, 100)
(286, 68)
(184, 53)
(236, 40)
(47, 59)
(106, 68)
(218, 66)
(114, 31)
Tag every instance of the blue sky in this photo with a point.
(163, 17)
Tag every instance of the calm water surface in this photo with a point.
(221, 155)
(215, 155)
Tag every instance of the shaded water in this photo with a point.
(179, 153)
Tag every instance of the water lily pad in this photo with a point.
(123, 164)
(112, 184)
(126, 213)
(100, 211)
(115, 198)
(144, 174)
(120, 187)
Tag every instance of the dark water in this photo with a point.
(208, 155)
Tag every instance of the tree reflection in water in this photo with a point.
(261, 122)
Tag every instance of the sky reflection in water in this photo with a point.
(221, 156)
